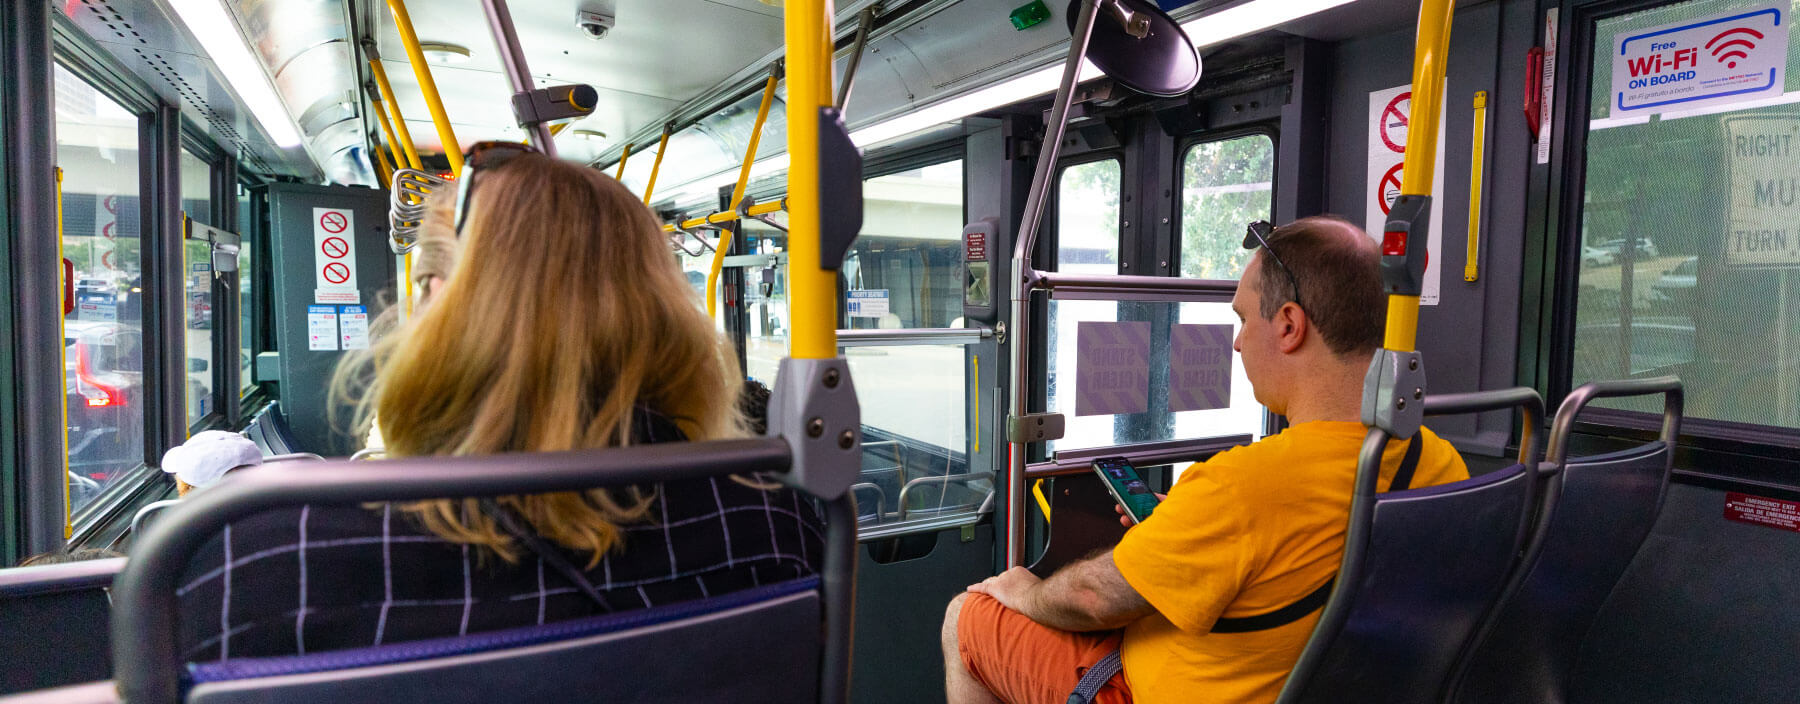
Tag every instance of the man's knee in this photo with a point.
(952, 613)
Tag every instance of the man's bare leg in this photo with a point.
(960, 687)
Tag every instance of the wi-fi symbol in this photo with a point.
(1728, 42)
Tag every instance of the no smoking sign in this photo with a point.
(334, 256)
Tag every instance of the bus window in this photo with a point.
(196, 277)
(1689, 261)
(766, 336)
(906, 266)
(1225, 185)
(97, 149)
(1087, 242)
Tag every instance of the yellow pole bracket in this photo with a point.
(427, 86)
(1477, 169)
(737, 196)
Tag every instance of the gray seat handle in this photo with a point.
(1578, 400)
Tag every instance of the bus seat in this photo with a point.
(65, 605)
(1596, 513)
(1421, 569)
(269, 430)
(769, 654)
(788, 642)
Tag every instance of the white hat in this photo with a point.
(207, 456)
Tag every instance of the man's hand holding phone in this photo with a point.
(1125, 520)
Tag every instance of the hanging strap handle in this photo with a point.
(510, 522)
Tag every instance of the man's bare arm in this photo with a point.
(1087, 595)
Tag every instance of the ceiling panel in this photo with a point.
(659, 54)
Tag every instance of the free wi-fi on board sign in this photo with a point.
(1733, 57)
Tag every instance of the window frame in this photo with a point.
(1553, 364)
(1186, 146)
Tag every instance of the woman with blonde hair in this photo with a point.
(565, 325)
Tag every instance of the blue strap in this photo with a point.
(1096, 677)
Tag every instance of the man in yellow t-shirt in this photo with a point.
(1253, 532)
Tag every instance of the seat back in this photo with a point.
(793, 643)
(1421, 569)
(1596, 513)
(64, 605)
(646, 656)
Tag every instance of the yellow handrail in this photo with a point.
(383, 165)
(1429, 59)
(67, 288)
(737, 196)
(620, 173)
(427, 86)
(1477, 167)
(725, 216)
(399, 122)
(812, 299)
(662, 147)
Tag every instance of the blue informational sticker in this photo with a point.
(1730, 57)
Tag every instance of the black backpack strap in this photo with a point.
(1279, 617)
(1410, 464)
(1095, 678)
(510, 522)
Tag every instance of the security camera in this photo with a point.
(595, 24)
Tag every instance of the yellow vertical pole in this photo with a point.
(662, 147)
(812, 299)
(1430, 56)
(61, 323)
(620, 172)
(427, 86)
(387, 130)
(382, 165)
(737, 196)
(399, 122)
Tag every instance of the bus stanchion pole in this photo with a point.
(428, 87)
(737, 195)
(1394, 388)
(1023, 278)
(662, 147)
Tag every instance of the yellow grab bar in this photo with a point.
(399, 122)
(1477, 168)
(725, 216)
(427, 86)
(812, 299)
(737, 196)
(1037, 491)
(67, 288)
(1429, 58)
(662, 147)
(619, 174)
(383, 165)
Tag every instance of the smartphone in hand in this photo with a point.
(1126, 487)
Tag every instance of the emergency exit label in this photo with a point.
(1762, 511)
(1764, 226)
(1722, 58)
(334, 256)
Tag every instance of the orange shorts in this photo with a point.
(1023, 662)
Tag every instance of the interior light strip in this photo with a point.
(223, 41)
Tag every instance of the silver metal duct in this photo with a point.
(305, 44)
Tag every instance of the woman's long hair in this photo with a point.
(565, 312)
